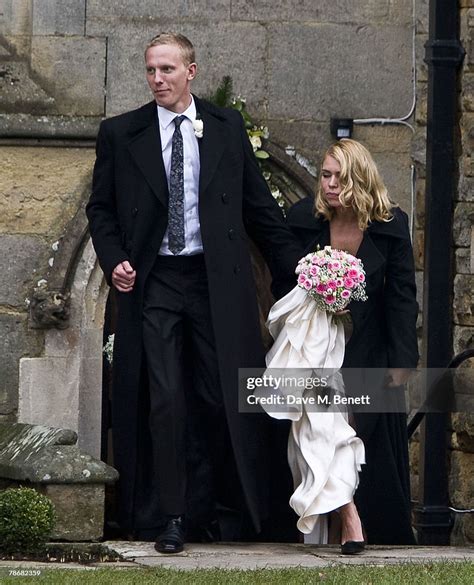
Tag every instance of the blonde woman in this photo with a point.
(352, 212)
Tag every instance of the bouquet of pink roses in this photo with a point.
(332, 278)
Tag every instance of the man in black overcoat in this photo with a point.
(176, 196)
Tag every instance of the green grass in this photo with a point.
(449, 573)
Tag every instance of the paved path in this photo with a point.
(254, 556)
(260, 555)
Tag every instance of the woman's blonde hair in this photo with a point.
(362, 187)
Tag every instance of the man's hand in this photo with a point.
(123, 277)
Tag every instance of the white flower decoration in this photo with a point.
(256, 142)
(198, 126)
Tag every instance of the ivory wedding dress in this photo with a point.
(324, 453)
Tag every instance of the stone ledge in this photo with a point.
(49, 460)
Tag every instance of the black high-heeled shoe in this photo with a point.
(353, 547)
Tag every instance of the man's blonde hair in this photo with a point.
(182, 42)
(362, 187)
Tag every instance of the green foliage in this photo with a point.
(26, 520)
(222, 97)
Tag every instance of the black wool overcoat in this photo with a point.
(384, 336)
(127, 214)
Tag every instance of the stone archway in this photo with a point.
(63, 387)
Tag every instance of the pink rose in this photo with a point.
(349, 282)
(308, 284)
(301, 278)
(330, 299)
(320, 288)
(339, 282)
(353, 273)
(332, 284)
(361, 277)
(314, 270)
(345, 294)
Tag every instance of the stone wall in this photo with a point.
(462, 438)
(461, 444)
(65, 64)
(40, 191)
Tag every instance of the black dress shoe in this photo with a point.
(353, 547)
(171, 538)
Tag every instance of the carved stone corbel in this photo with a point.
(49, 309)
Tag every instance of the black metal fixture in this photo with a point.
(342, 127)
(444, 55)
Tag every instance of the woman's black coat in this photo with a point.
(384, 336)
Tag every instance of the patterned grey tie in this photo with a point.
(176, 198)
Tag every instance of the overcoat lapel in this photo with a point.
(372, 258)
(145, 149)
(211, 145)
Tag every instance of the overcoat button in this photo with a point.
(225, 198)
(236, 269)
(231, 234)
(134, 211)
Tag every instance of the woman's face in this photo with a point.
(330, 181)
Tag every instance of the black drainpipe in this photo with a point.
(444, 55)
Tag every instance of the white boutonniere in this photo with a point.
(198, 126)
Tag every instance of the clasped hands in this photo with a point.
(123, 277)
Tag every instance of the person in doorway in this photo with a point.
(176, 194)
(352, 212)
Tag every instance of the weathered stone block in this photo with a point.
(46, 398)
(463, 302)
(461, 486)
(419, 288)
(418, 151)
(15, 17)
(418, 248)
(463, 423)
(462, 533)
(421, 65)
(343, 11)
(303, 57)
(467, 92)
(467, 132)
(217, 55)
(422, 18)
(465, 188)
(59, 17)
(462, 224)
(420, 203)
(463, 338)
(421, 111)
(21, 256)
(69, 65)
(15, 341)
(101, 12)
(20, 93)
(41, 188)
(388, 139)
(463, 260)
(79, 511)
